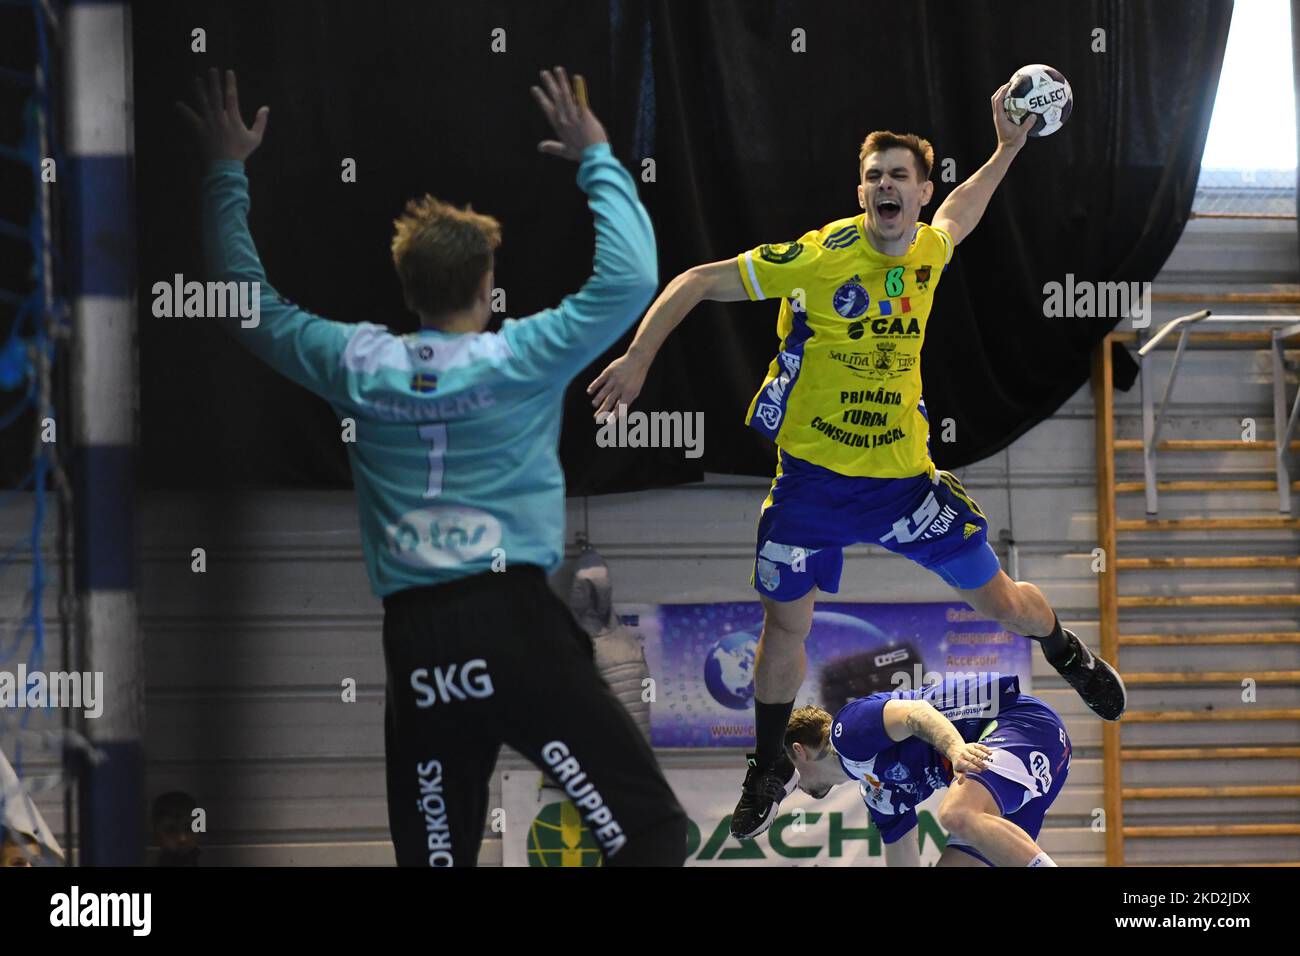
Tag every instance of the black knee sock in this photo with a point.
(770, 722)
(1056, 646)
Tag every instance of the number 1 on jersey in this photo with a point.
(436, 436)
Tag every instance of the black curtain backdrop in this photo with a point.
(751, 143)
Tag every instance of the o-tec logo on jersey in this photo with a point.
(451, 682)
(780, 252)
(443, 537)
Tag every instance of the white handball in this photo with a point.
(1041, 90)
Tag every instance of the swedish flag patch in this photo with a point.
(423, 382)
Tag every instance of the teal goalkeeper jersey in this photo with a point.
(455, 460)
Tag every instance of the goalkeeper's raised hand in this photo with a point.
(575, 126)
(218, 123)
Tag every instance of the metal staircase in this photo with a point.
(1201, 578)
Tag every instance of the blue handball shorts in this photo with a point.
(813, 513)
(1031, 759)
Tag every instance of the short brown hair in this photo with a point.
(810, 726)
(883, 139)
(441, 254)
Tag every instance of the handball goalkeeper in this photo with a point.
(461, 495)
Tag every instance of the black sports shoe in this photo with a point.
(1096, 681)
(761, 795)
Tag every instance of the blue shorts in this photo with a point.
(1031, 759)
(813, 513)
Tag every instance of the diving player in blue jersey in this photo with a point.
(1003, 757)
(461, 495)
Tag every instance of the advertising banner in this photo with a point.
(701, 660)
(544, 829)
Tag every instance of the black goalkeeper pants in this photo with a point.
(497, 658)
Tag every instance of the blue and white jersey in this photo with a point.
(895, 776)
(455, 459)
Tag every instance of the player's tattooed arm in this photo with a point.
(919, 718)
(965, 205)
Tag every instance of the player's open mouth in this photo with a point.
(888, 210)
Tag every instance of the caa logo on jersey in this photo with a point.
(443, 537)
(850, 299)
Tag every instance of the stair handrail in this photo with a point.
(1286, 418)
(1169, 327)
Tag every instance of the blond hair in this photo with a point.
(441, 254)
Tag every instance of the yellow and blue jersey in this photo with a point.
(844, 391)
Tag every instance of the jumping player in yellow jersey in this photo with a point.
(842, 401)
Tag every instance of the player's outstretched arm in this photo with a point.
(556, 344)
(920, 718)
(301, 346)
(965, 205)
(621, 381)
